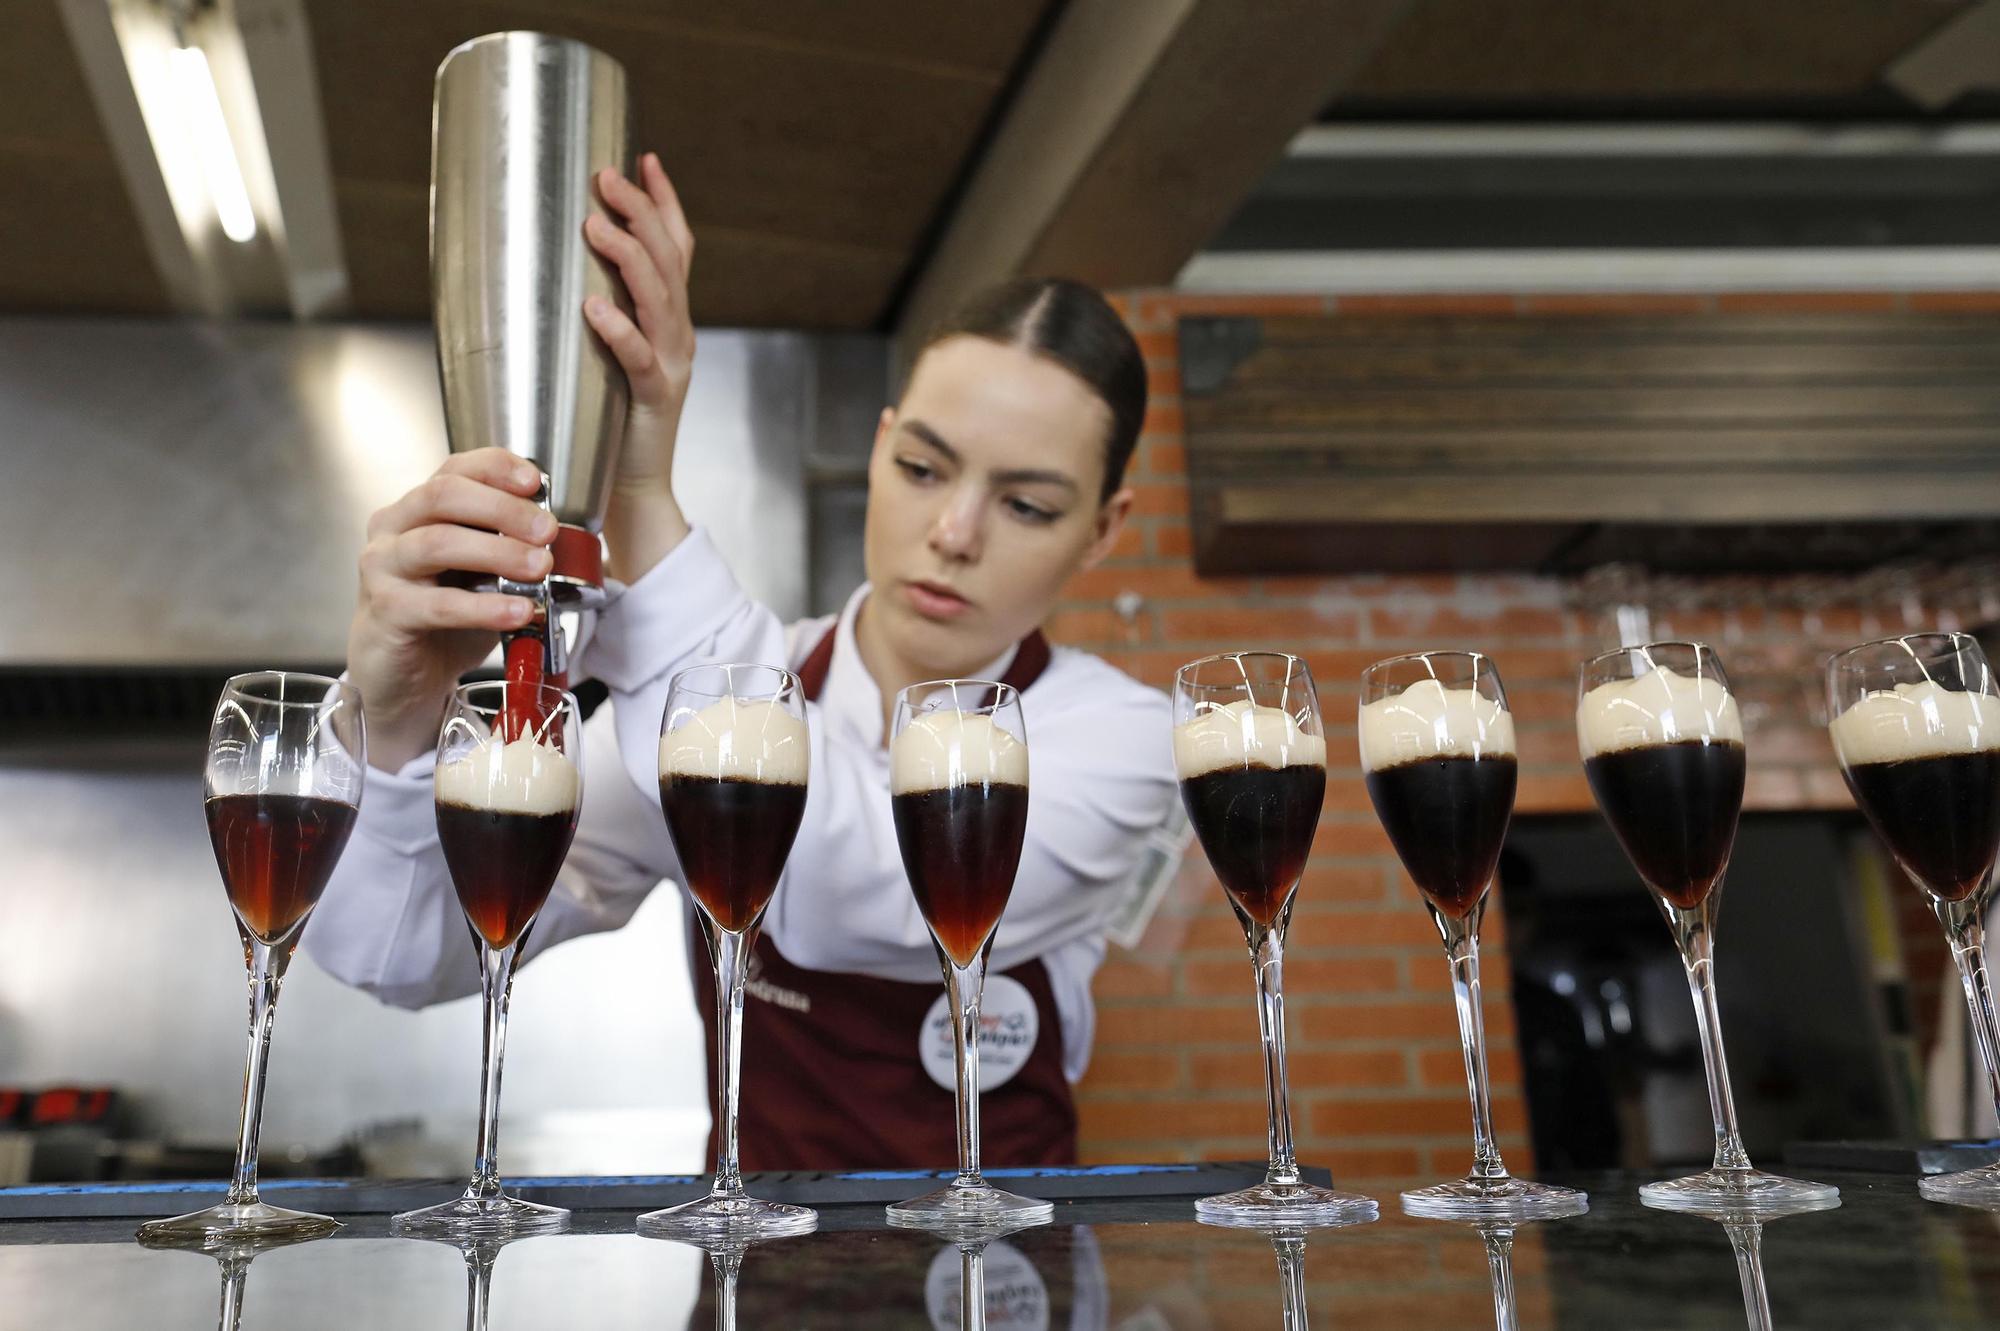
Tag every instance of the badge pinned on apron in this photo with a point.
(1008, 1025)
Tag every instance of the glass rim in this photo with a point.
(1005, 690)
(464, 693)
(1401, 657)
(1958, 639)
(680, 680)
(1698, 647)
(240, 686)
(1213, 658)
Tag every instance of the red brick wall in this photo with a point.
(1377, 1086)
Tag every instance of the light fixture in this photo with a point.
(201, 119)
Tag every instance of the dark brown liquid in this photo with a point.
(1939, 815)
(961, 845)
(1674, 808)
(1447, 817)
(503, 864)
(276, 853)
(732, 837)
(1256, 827)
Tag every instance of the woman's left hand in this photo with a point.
(653, 252)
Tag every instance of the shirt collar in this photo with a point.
(851, 696)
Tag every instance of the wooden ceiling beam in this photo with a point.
(1135, 134)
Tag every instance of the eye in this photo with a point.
(917, 471)
(1028, 511)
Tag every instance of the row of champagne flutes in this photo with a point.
(1915, 724)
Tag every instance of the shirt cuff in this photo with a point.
(399, 809)
(677, 605)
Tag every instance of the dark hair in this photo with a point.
(1071, 324)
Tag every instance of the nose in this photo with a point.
(955, 533)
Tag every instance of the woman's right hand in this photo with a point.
(412, 638)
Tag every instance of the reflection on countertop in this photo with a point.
(1884, 1259)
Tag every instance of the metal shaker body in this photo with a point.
(521, 123)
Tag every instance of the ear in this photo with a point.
(1110, 523)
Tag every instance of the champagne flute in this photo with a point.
(1251, 755)
(1662, 744)
(509, 784)
(959, 790)
(1437, 747)
(734, 753)
(1916, 726)
(287, 754)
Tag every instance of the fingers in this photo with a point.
(414, 608)
(654, 177)
(653, 295)
(465, 491)
(643, 218)
(634, 353)
(424, 552)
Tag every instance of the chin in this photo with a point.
(943, 651)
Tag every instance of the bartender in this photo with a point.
(997, 476)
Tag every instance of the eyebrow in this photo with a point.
(1012, 476)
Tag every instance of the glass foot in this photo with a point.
(958, 1205)
(1473, 1198)
(1270, 1204)
(729, 1219)
(236, 1223)
(1750, 1192)
(1968, 1187)
(472, 1217)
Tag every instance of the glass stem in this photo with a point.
(478, 1285)
(267, 972)
(1697, 954)
(727, 1267)
(1462, 950)
(732, 963)
(964, 985)
(1500, 1269)
(1748, 1241)
(1291, 1251)
(235, 1273)
(1267, 954)
(1967, 936)
(496, 983)
(972, 1287)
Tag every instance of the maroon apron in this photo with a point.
(831, 1078)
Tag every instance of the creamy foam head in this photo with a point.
(523, 776)
(1428, 720)
(1923, 720)
(747, 741)
(949, 748)
(1661, 706)
(1243, 734)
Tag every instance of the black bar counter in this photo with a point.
(1884, 1259)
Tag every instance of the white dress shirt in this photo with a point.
(1101, 776)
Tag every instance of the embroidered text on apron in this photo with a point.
(830, 1073)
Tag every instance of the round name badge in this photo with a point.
(1016, 1298)
(1008, 1025)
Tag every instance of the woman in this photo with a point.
(996, 477)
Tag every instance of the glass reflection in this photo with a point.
(979, 1282)
(1498, 1238)
(480, 1255)
(233, 1261)
(1745, 1227)
(1288, 1244)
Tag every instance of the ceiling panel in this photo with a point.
(1471, 52)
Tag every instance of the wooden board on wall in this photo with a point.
(1700, 441)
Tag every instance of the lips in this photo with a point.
(934, 600)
